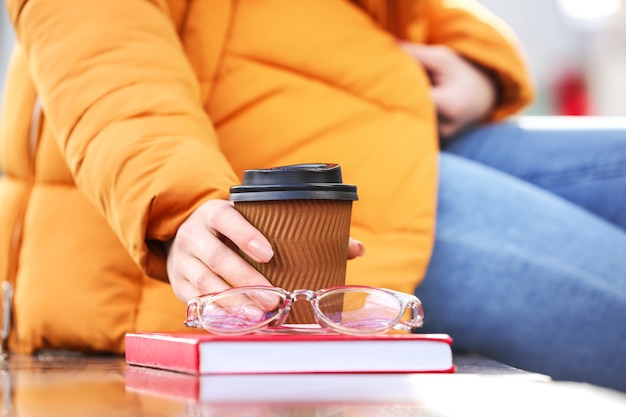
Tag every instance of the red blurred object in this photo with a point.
(571, 95)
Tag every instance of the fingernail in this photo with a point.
(251, 312)
(361, 248)
(260, 251)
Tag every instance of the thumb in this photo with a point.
(355, 249)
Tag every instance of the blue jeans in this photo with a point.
(529, 263)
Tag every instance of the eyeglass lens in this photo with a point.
(232, 312)
(367, 310)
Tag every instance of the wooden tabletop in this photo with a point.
(75, 385)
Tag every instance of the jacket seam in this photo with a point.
(321, 80)
(182, 27)
(215, 76)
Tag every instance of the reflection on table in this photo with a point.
(75, 385)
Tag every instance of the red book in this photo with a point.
(293, 353)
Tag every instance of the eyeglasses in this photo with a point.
(350, 309)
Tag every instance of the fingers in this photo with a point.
(229, 266)
(447, 124)
(228, 222)
(439, 62)
(434, 58)
(191, 278)
(463, 92)
(355, 249)
(199, 261)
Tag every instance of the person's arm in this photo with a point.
(124, 104)
(473, 32)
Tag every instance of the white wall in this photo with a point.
(551, 41)
(605, 62)
(555, 43)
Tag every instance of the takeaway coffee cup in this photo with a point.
(304, 211)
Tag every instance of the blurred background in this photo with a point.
(576, 50)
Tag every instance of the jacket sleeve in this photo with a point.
(474, 32)
(123, 102)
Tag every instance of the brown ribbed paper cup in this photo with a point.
(304, 211)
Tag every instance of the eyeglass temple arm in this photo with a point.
(417, 317)
(192, 319)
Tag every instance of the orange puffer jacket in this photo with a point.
(123, 116)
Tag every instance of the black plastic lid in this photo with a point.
(294, 182)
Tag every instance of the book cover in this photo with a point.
(263, 353)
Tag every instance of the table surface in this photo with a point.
(75, 385)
